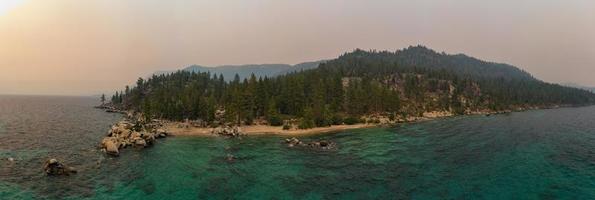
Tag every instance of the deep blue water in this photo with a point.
(542, 154)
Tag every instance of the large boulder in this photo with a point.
(149, 138)
(160, 133)
(53, 167)
(111, 146)
(135, 135)
(139, 142)
(125, 134)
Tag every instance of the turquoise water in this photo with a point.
(544, 154)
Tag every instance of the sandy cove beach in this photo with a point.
(183, 129)
(175, 130)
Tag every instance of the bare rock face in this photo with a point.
(53, 167)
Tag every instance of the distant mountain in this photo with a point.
(574, 85)
(245, 71)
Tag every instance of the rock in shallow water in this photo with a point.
(53, 167)
(111, 146)
(291, 142)
(322, 144)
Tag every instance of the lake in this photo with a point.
(541, 154)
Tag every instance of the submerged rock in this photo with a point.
(291, 142)
(322, 144)
(53, 167)
(230, 158)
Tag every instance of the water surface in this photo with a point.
(543, 154)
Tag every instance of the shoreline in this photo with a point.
(258, 130)
(184, 129)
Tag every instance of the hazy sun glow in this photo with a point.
(7, 5)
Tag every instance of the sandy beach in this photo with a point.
(175, 130)
(183, 129)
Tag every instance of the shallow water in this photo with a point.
(544, 154)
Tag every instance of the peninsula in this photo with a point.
(356, 90)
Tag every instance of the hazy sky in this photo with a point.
(81, 47)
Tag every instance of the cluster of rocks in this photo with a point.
(228, 131)
(224, 129)
(110, 109)
(322, 144)
(115, 111)
(53, 167)
(125, 134)
(291, 142)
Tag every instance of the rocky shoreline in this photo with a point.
(135, 131)
(132, 132)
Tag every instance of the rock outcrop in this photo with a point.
(228, 131)
(126, 133)
(53, 167)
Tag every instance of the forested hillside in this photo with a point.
(397, 84)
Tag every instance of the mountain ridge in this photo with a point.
(405, 57)
(245, 70)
